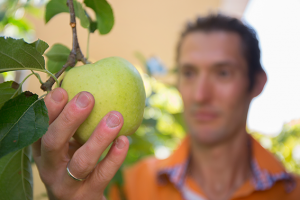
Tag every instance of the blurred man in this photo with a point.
(219, 74)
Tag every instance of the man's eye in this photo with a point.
(223, 73)
(187, 73)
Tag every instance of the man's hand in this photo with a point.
(54, 150)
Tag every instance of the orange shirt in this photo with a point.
(153, 179)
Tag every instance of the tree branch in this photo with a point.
(75, 54)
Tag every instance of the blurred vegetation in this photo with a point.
(285, 146)
(12, 20)
(13, 23)
(162, 128)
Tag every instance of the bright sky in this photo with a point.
(277, 23)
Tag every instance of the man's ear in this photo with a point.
(260, 82)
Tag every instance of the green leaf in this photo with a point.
(16, 180)
(57, 57)
(58, 53)
(180, 119)
(53, 66)
(23, 120)
(7, 89)
(40, 45)
(80, 13)
(55, 7)
(19, 55)
(149, 122)
(93, 26)
(104, 14)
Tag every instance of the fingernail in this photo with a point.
(82, 100)
(112, 120)
(57, 95)
(120, 143)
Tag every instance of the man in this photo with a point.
(219, 74)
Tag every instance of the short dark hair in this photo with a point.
(219, 22)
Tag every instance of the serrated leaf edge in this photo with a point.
(26, 53)
(19, 118)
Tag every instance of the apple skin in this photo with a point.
(116, 86)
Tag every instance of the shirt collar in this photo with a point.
(174, 167)
(267, 170)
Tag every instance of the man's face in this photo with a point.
(214, 84)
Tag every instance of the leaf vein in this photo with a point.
(19, 119)
(13, 59)
(10, 160)
(33, 58)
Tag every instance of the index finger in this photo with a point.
(55, 101)
(54, 144)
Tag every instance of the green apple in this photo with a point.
(116, 85)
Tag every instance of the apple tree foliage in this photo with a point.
(285, 146)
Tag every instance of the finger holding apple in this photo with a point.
(116, 98)
(116, 85)
(53, 156)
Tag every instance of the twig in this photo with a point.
(38, 76)
(75, 54)
(88, 45)
(76, 48)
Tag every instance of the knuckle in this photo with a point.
(49, 143)
(67, 117)
(82, 165)
(89, 148)
(103, 136)
(102, 175)
(112, 163)
(105, 174)
(99, 137)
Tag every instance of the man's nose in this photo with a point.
(203, 89)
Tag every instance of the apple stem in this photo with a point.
(75, 54)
